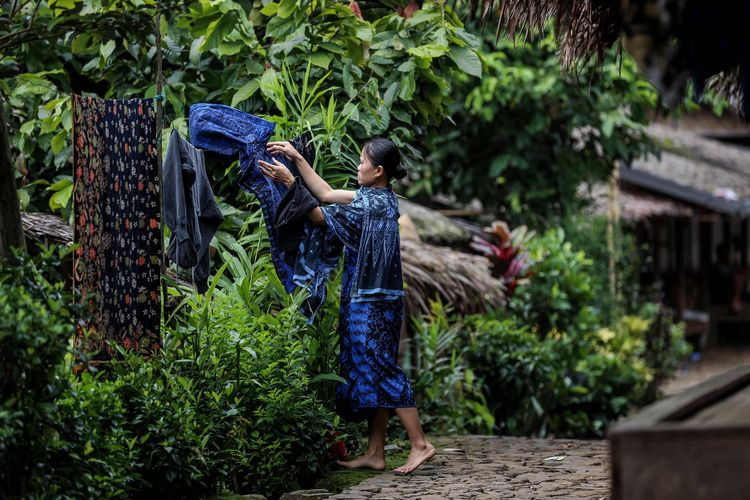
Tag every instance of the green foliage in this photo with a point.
(559, 295)
(528, 135)
(61, 439)
(445, 388)
(589, 234)
(312, 65)
(566, 384)
(227, 405)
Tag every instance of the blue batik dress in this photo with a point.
(372, 305)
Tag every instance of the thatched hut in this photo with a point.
(672, 40)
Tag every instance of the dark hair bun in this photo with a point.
(384, 152)
(400, 172)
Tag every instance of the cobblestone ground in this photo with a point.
(489, 467)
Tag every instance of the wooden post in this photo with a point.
(613, 219)
(11, 230)
(159, 111)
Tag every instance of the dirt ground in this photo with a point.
(715, 361)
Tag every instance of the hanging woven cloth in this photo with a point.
(116, 210)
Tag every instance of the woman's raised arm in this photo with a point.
(319, 187)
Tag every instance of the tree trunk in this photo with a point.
(11, 230)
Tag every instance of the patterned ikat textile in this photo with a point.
(116, 209)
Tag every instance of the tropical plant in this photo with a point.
(524, 138)
(311, 65)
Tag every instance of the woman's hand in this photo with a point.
(277, 172)
(283, 148)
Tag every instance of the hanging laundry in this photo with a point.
(291, 218)
(231, 132)
(116, 209)
(190, 209)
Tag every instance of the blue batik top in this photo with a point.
(369, 227)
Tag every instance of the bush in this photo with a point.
(559, 294)
(446, 390)
(34, 329)
(569, 384)
(228, 404)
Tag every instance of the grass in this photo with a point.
(338, 480)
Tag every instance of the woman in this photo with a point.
(366, 221)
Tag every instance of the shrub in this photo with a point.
(569, 384)
(448, 394)
(559, 294)
(34, 330)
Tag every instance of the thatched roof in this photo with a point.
(435, 228)
(462, 280)
(430, 272)
(46, 228)
(671, 41)
(693, 174)
(705, 173)
(637, 204)
(698, 162)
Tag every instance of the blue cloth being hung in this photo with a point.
(368, 226)
(231, 132)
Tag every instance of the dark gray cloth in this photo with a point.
(291, 216)
(190, 209)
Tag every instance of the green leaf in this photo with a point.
(364, 33)
(106, 49)
(217, 30)
(27, 128)
(62, 4)
(60, 199)
(80, 43)
(270, 9)
(195, 50)
(245, 92)
(390, 94)
(24, 198)
(421, 16)
(430, 50)
(327, 376)
(467, 60)
(407, 66)
(286, 8)
(321, 59)
(348, 81)
(407, 87)
(58, 142)
(230, 47)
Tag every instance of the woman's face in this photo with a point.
(367, 173)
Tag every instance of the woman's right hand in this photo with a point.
(283, 148)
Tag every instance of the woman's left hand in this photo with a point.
(277, 172)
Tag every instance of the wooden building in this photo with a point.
(691, 208)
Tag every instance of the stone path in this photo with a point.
(490, 467)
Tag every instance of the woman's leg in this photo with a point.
(421, 449)
(374, 457)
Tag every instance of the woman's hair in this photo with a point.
(384, 153)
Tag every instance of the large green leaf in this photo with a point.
(431, 50)
(467, 60)
(245, 92)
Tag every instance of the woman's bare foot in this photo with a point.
(417, 456)
(374, 462)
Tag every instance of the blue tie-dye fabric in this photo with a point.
(369, 225)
